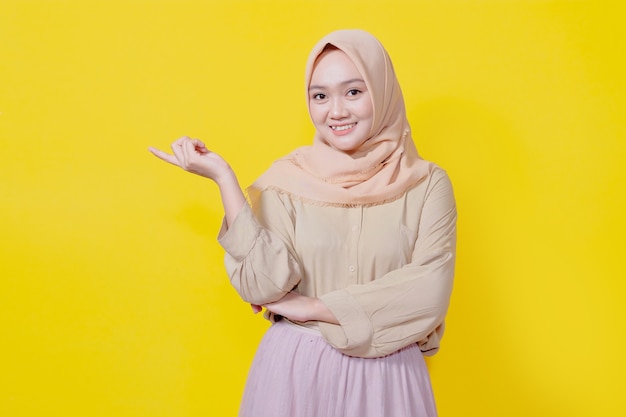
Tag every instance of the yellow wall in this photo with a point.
(113, 297)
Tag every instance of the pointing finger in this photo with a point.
(164, 156)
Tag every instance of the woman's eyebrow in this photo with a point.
(350, 81)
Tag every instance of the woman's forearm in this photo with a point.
(232, 195)
(298, 307)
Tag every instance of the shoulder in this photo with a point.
(436, 180)
(439, 178)
(437, 173)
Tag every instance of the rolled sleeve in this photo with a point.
(259, 263)
(353, 336)
(241, 236)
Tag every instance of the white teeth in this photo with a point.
(344, 127)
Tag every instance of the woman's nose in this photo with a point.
(338, 109)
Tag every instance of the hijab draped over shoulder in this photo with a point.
(382, 169)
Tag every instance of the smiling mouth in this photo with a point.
(344, 127)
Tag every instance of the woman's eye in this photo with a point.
(319, 96)
(353, 92)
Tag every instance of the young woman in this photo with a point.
(349, 245)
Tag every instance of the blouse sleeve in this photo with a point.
(259, 259)
(407, 305)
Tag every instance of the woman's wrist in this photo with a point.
(322, 313)
(227, 179)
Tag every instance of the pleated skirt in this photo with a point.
(296, 373)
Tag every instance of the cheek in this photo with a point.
(317, 115)
(366, 110)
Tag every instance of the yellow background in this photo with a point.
(113, 297)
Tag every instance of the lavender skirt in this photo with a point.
(296, 373)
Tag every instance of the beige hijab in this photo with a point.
(385, 166)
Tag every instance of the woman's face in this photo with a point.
(339, 102)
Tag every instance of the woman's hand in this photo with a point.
(192, 156)
(298, 307)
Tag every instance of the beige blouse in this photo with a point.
(385, 271)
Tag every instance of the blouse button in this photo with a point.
(351, 268)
